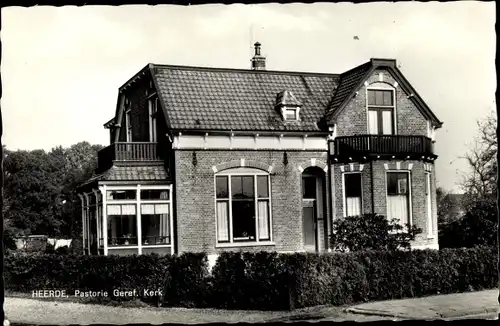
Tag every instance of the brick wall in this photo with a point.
(195, 204)
(353, 119)
(418, 198)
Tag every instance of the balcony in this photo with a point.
(347, 148)
(127, 152)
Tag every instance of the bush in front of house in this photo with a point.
(187, 281)
(285, 281)
(371, 232)
(30, 272)
(262, 280)
(251, 281)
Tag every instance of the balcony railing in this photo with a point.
(360, 145)
(132, 152)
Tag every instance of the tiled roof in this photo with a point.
(131, 173)
(347, 84)
(223, 99)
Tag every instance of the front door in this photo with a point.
(309, 212)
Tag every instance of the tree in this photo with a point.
(480, 183)
(479, 225)
(448, 208)
(40, 189)
(371, 232)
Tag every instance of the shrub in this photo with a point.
(186, 281)
(468, 231)
(371, 232)
(287, 281)
(28, 272)
(262, 280)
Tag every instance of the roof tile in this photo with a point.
(240, 100)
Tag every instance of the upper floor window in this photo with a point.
(128, 124)
(291, 114)
(381, 111)
(243, 207)
(153, 109)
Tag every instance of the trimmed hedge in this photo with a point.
(263, 280)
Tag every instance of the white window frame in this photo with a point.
(128, 125)
(238, 172)
(344, 194)
(393, 107)
(138, 202)
(153, 104)
(409, 186)
(293, 110)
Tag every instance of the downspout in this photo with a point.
(330, 199)
(371, 182)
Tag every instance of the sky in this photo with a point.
(62, 66)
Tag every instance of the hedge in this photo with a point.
(264, 280)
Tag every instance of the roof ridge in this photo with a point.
(368, 63)
(218, 69)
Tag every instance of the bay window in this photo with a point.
(381, 112)
(243, 207)
(353, 194)
(155, 224)
(122, 224)
(398, 196)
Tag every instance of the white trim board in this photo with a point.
(230, 142)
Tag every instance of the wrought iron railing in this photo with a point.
(381, 144)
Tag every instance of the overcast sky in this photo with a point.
(61, 67)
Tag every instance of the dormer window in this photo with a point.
(291, 114)
(288, 106)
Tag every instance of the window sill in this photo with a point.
(245, 244)
(431, 236)
(156, 245)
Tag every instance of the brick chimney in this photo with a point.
(258, 61)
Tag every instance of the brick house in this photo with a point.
(208, 159)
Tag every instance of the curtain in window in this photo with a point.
(373, 122)
(397, 207)
(353, 206)
(263, 215)
(222, 221)
(387, 122)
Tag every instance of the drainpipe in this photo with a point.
(371, 181)
(330, 200)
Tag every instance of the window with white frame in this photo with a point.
(291, 113)
(122, 224)
(353, 194)
(381, 111)
(155, 216)
(128, 125)
(153, 109)
(398, 196)
(243, 205)
(150, 205)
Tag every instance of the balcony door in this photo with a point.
(313, 181)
